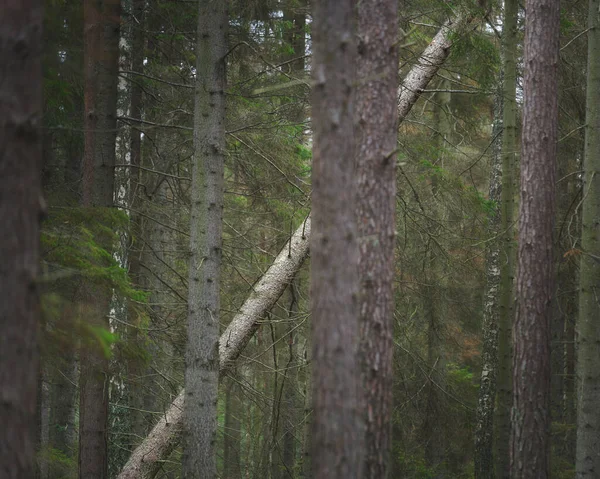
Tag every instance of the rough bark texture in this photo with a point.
(376, 214)
(145, 460)
(206, 231)
(530, 434)
(484, 423)
(507, 259)
(337, 437)
(428, 64)
(20, 211)
(588, 364)
(101, 58)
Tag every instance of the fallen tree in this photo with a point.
(146, 459)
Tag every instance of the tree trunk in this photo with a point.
(206, 226)
(101, 59)
(535, 285)
(159, 443)
(233, 434)
(145, 460)
(136, 366)
(337, 433)
(20, 212)
(484, 424)
(506, 292)
(588, 358)
(376, 116)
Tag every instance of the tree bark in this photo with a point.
(535, 283)
(588, 358)
(101, 59)
(20, 212)
(377, 134)
(507, 268)
(337, 431)
(145, 460)
(206, 238)
(484, 424)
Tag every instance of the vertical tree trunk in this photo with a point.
(484, 427)
(136, 366)
(433, 304)
(588, 359)
(20, 212)
(101, 60)
(233, 434)
(202, 354)
(337, 442)
(507, 255)
(530, 436)
(376, 117)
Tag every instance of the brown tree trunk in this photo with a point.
(531, 333)
(159, 443)
(101, 59)
(337, 442)
(20, 212)
(376, 116)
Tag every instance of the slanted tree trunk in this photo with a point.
(588, 357)
(507, 256)
(530, 436)
(101, 59)
(206, 226)
(143, 462)
(377, 133)
(20, 212)
(484, 426)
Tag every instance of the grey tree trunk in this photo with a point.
(484, 425)
(20, 213)
(206, 227)
(101, 58)
(376, 116)
(507, 255)
(530, 435)
(588, 358)
(144, 461)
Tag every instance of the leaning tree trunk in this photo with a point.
(206, 228)
(20, 212)
(145, 460)
(377, 133)
(506, 291)
(588, 359)
(101, 58)
(535, 283)
(159, 443)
